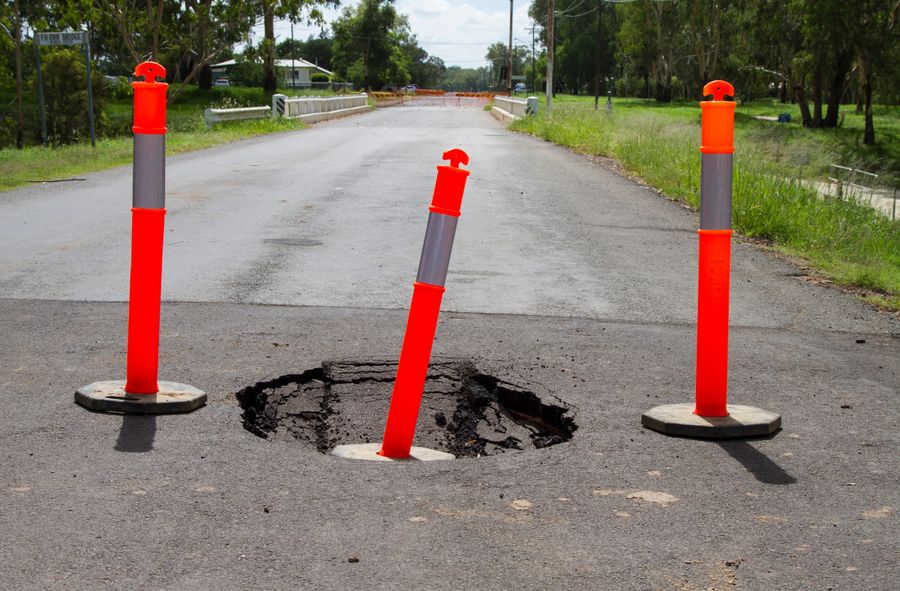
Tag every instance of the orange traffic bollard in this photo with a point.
(141, 393)
(148, 214)
(711, 416)
(428, 290)
(717, 149)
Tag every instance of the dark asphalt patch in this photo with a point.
(464, 412)
(293, 241)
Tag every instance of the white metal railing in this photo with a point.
(861, 186)
(212, 116)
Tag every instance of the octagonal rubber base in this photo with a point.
(369, 451)
(110, 396)
(742, 421)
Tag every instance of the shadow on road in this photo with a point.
(757, 463)
(136, 434)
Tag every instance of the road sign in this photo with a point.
(519, 77)
(76, 38)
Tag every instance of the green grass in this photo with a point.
(21, 167)
(851, 244)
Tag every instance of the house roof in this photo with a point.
(300, 63)
(296, 63)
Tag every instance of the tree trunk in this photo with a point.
(865, 76)
(20, 122)
(836, 90)
(204, 79)
(157, 25)
(817, 98)
(859, 97)
(800, 93)
(269, 82)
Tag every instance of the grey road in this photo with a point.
(336, 216)
(567, 279)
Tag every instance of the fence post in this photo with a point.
(141, 392)
(894, 207)
(710, 416)
(278, 105)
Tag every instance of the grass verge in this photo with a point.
(849, 243)
(34, 164)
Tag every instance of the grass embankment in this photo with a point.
(187, 132)
(849, 243)
(34, 164)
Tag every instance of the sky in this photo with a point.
(457, 32)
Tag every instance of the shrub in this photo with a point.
(65, 96)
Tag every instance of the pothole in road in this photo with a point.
(464, 412)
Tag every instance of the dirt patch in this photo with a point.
(464, 412)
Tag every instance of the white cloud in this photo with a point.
(459, 33)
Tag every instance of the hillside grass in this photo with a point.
(849, 243)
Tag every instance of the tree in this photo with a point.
(874, 36)
(367, 44)
(424, 70)
(497, 56)
(185, 35)
(429, 72)
(64, 77)
(826, 57)
(706, 32)
(317, 50)
(212, 27)
(650, 32)
(292, 9)
(465, 79)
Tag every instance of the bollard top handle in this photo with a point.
(719, 89)
(456, 156)
(150, 71)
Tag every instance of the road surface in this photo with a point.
(567, 279)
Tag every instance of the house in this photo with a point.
(297, 73)
(291, 73)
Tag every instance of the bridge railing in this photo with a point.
(213, 116)
(509, 109)
(514, 107)
(293, 108)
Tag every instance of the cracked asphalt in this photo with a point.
(567, 280)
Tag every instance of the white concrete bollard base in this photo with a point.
(369, 451)
(110, 396)
(742, 421)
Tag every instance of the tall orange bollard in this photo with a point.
(711, 416)
(141, 393)
(148, 214)
(428, 290)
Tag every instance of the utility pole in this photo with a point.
(533, 79)
(550, 43)
(293, 57)
(599, 55)
(20, 125)
(509, 69)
